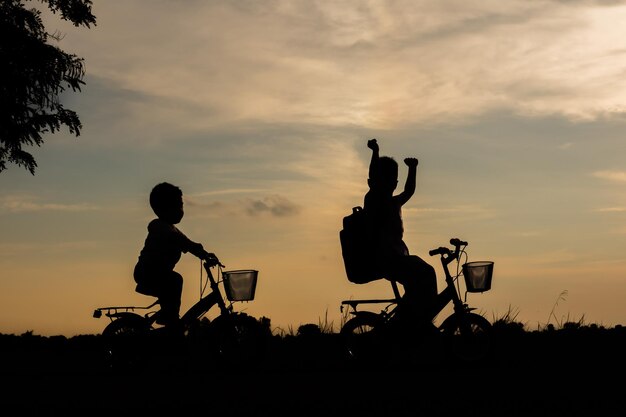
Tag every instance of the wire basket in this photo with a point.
(478, 275)
(240, 285)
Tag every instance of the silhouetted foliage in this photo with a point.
(567, 371)
(309, 345)
(32, 76)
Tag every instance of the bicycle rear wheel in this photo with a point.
(359, 337)
(124, 341)
(468, 337)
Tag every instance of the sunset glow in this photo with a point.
(260, 113)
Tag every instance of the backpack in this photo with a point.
(357, 248)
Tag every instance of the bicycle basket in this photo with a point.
(478, 275)
(240, 285)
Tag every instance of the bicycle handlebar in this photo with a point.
(457, 242)
(442, 250)
(213, 261)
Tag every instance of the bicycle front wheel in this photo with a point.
(240, 340)
(468, 337)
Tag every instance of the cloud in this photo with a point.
(459, 209)
(227, 191)
(615, 176)
(275, 205)
(466, 211)
(374, 64)
(611, 210)
(19, 204)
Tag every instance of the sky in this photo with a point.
(260, 112)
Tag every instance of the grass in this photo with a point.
(315, 346)
(507, 321)
(323, 326)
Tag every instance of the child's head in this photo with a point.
(386, 177)
(166, 201)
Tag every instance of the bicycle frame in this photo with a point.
(207, 302)
(447, 295)
(446, 258)
(195, 312)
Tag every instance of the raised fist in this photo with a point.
(411, 162)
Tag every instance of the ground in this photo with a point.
(559, 374)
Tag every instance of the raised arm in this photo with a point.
(409, 185)
(373, 145)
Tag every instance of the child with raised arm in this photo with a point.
(154, 272)
(391, 254)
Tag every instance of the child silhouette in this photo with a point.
(154, 272)
(392, 259)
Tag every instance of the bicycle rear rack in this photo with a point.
(109, 311)
(355, 303)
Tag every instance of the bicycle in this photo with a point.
(465, 334)
(236, 337)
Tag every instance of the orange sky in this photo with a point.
(261, 115)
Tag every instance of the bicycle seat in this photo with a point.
(142, 289)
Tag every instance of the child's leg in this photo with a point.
(166, 285)
(419, 280)
(170, 289)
